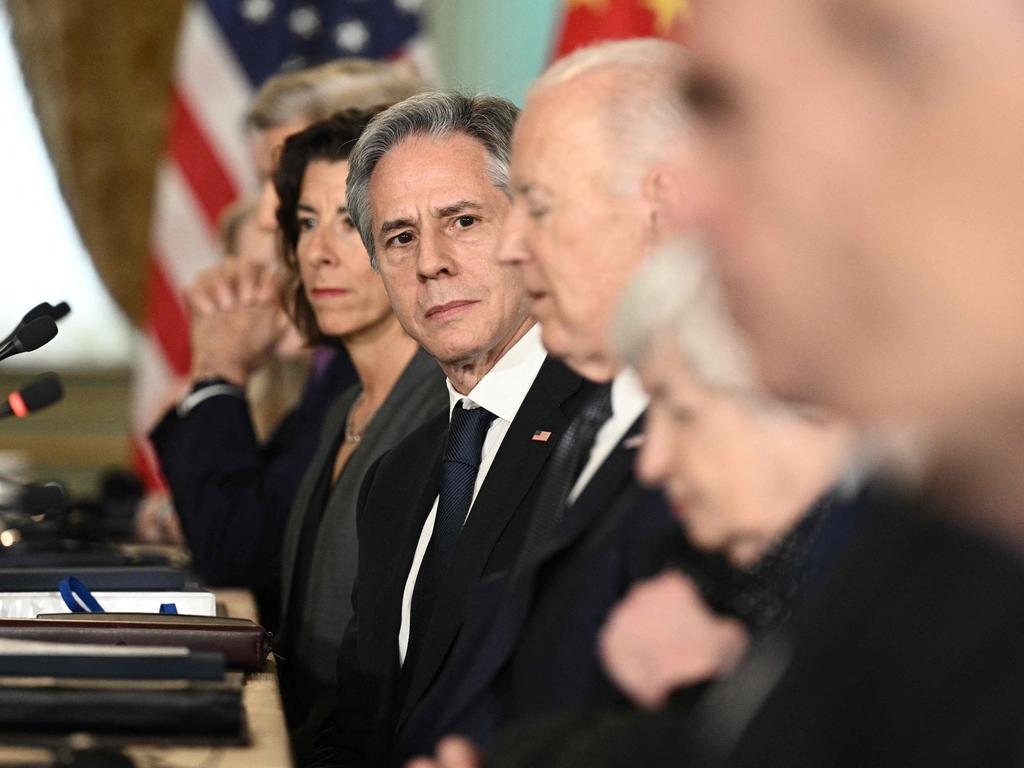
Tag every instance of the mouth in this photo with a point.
(452, 308)
(327, 293)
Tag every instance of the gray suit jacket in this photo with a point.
(312, 640)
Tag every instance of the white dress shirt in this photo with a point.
(501, 391)
(628, 401)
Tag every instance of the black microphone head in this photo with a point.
(40, 499)
(44, 391)
(36, 333)
(39, 310)
(60, 311)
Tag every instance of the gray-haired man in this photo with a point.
(448, 507)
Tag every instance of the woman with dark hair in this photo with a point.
(335, 297)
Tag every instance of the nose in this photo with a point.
(434, 256)
(320, 247)
(512, 248)
(655, 458)
(266, 208)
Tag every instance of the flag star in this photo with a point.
(351, 36)
(293, 64)
(667, 13)
(304, 21)
(256, 11)
(409, 6)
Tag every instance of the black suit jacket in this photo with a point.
(233, 494)
(396, 498)
(912, 654)
(907, 652)
(529, 647)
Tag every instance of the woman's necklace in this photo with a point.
(351, 436)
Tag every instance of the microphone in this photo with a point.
(32, 335)
(45, 309)
(36, 498)
(44, 391)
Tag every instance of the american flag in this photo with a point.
(226, 49)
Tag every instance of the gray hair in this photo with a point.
(643, 115)
(489, 119)
(676, 291)
(318, 92)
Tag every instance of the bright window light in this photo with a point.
(42, 255)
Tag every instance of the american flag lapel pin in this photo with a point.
(541, 436)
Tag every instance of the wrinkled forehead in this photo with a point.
(423, 171)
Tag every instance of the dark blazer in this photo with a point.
(908, 652)
(233, 494)
(396, 498)
(530, 646)
(309, 639)
(912, 654)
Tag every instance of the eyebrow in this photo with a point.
(394, 224)
(528, 187)
(310, 209)
(454, 208)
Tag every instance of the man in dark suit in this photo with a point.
(597, 174)
(449, 506)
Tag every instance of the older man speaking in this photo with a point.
(448, 507)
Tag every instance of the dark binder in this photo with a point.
(126, 707)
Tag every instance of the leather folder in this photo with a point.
(132, 707)
(244, 643)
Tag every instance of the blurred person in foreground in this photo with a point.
(599, 173)
(231, 489)
(448, 507)
(333, 293)
(863, 219)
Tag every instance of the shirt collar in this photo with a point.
(628, 397)
(503, 388)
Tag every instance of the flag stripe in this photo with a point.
(198, 163)
(170, 324)
(217, 89)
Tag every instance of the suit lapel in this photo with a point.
(516, 600)
(293, 528)
(409, 508)
(616, 470)
(516, 469)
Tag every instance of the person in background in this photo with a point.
(232, 491)
(334, 294)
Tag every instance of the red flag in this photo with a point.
(591, 21)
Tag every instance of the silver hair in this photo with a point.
(676, 291)
(644, 114)
(318, 92)
(489, 119)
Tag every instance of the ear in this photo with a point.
(664, 189)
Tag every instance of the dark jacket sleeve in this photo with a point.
(232, 494)
(344, 736)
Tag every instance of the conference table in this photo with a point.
(267, 735)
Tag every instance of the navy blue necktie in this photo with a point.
(466, 434)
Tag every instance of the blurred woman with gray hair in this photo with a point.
(748, 477)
